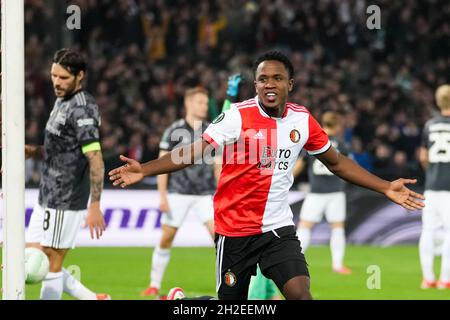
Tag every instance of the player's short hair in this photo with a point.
(331, 119)
(71, 60)
(443, 96)
(277, 56)
(193, 91)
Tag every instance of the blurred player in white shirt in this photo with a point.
(187, 191)
(435, 158)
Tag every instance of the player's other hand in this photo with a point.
(403, 196)
(94, 220)
(164, 204)
(128, 174)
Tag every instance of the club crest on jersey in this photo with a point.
(230, 279)
(294, 135)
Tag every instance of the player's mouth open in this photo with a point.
(271, 96)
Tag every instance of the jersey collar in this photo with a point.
(265, 115)
(68, 97)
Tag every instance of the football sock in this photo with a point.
(337, 246)
(445, 267)
(75, 288)
(304, 235)
(160, 260)
(52, 286)
(426, 252)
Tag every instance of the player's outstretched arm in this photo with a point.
(350, 171)
(133, 172)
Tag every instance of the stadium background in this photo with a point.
(144, 54)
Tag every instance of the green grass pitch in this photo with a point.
(124, 272)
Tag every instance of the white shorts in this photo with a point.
(54, 228)
(181, 204)
(436, 212)
(316, 205)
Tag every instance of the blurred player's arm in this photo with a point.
(299, 166)
(34, 151)
(423, 157)
(423, 149)
(162, 182)
(94, 218)
(350, 171)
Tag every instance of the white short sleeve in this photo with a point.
(225, 128)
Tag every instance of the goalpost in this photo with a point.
(13, 155)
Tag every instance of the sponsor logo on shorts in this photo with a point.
(230, 279)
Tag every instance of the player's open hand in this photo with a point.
(95, 220)
(128, 174)
(403, 196)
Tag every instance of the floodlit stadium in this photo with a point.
(210, 145)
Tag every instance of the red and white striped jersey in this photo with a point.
(258, 157)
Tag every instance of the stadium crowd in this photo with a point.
(144, 54)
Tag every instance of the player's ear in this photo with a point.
(291, 85)
(80, 76)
